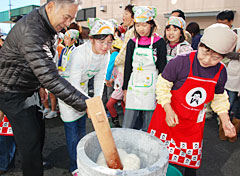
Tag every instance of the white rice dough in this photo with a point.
(129, 161)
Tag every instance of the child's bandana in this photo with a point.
(144, 13)
(98, 26)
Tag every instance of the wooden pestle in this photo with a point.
(96, 112)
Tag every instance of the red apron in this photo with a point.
(184, 141)
(5, 127)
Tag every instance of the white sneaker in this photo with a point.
(75, 173)
(51, 115)
(46, 111)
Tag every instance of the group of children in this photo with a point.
(190, 80)
(163, 69)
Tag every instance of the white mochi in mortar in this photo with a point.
(129, 161)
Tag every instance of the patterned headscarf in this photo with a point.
(144, 13)
(72, 33)
(176, 21)
(98, 26)
(114, 22)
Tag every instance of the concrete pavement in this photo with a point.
(220, 158)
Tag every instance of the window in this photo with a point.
(84, 14)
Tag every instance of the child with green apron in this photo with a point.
(145, 59)
(86, 61)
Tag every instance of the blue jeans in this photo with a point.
(74, 131)
(7, 152)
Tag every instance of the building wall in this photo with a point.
(115, 9)
(42, 2)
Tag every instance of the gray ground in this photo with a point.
(220, 158)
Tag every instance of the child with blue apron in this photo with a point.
(70, 38)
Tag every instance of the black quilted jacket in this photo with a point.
(26, 60)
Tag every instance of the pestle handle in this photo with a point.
(96, 112)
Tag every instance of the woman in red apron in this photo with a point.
(179, 117)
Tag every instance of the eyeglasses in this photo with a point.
(102, 43)
(208, 52)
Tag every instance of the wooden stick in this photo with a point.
(96, 112)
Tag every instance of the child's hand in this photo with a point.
(229, 129)
(111, 81)
(171, 116)
(43, 94)
(108, 83)
(172, 119)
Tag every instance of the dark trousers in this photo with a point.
(234, 103)
(190, 172)
(24, 112)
